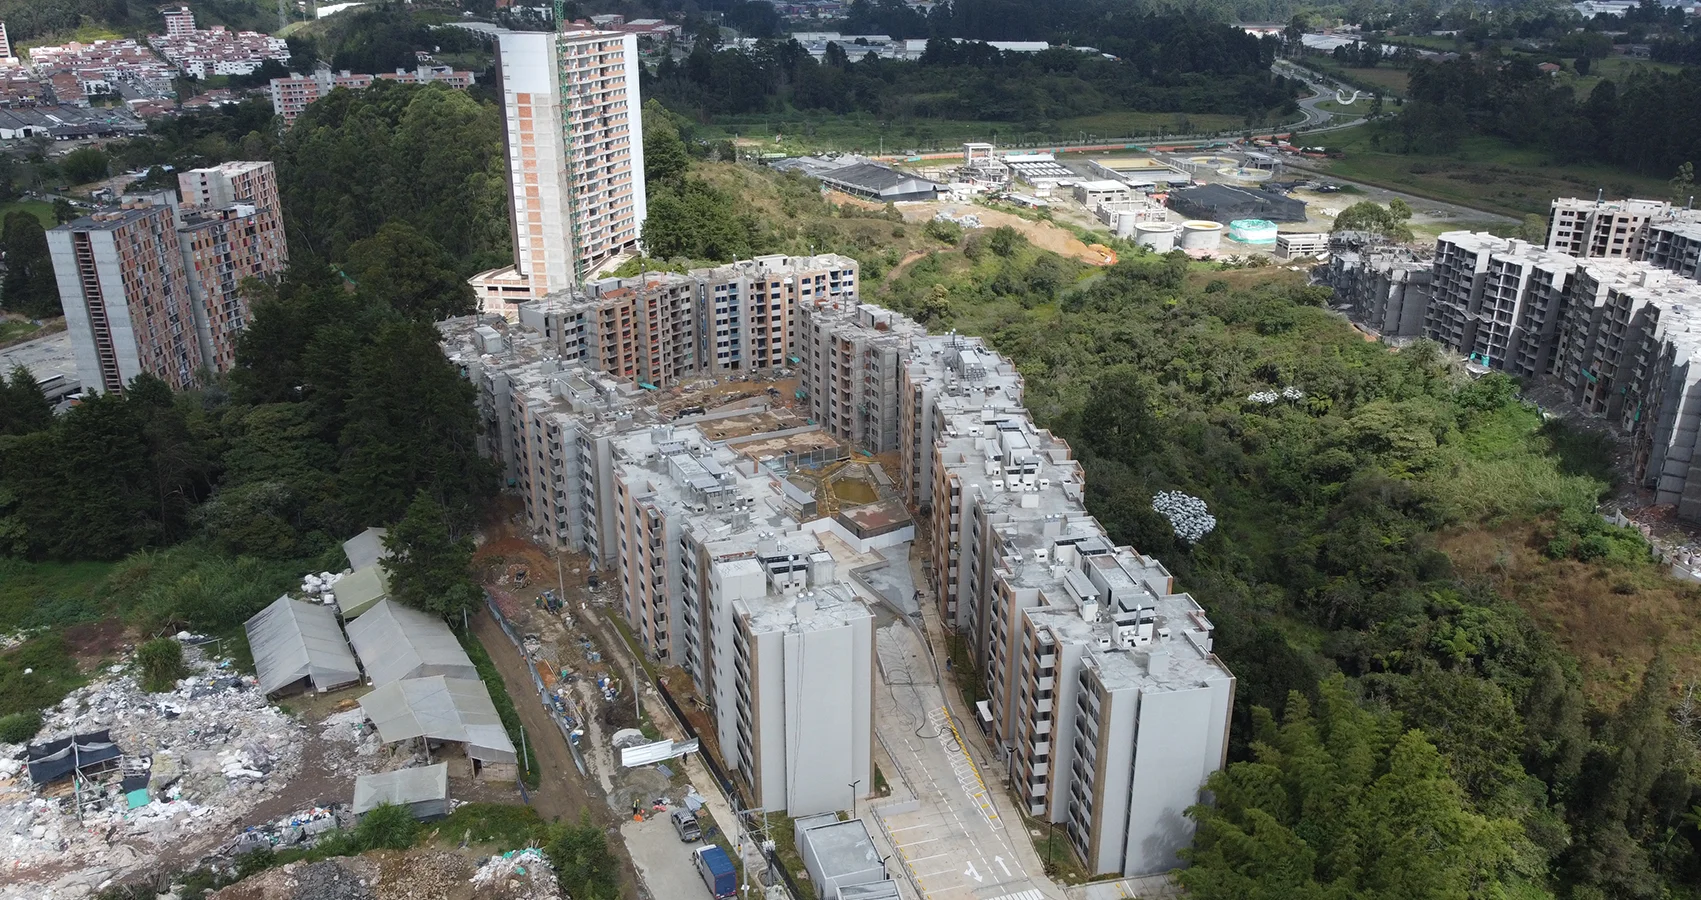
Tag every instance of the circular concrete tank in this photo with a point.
(1126, 223)
(1200, 234)
(1253, 231)
(1159, 237)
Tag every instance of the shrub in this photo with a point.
(18, 728)
(161, 660)
(387, 828)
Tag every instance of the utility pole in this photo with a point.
(853, 786)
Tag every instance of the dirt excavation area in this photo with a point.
(1044, 235)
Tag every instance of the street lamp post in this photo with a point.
(853, 786)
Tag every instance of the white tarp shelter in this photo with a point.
(424, 791)
(441, 709)
(360, 590)
(296, 643)
(365, 548)
(395, 642)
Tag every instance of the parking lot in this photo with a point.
(954, 838)
(663, 860)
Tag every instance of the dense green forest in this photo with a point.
(27, 19)
(1629, 124)
(1401, 730)
(1176, 64)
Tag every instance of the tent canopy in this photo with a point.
(57, 759)
(359, 590)
(423, 790)
(366, 548)
(395, 642)
(294, 639)
(443, 709)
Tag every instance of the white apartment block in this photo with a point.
(850, 357)
(179, 21)
(550, 422)
(1631, 332)
(722, 573)
(1104, 696)
(574, 140)
(1103, 692)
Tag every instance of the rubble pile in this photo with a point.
(195, 761)
(518, 875)
(341, 878)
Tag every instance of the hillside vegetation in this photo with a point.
(1355, 588)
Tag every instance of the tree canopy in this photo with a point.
(30, 286)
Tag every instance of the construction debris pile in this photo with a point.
(404, 875)
(518, 874)
(321, 587)
(189, 763)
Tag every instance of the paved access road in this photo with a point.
(956, 840)
(663, 860)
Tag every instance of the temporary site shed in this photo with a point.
(365, 548)
(395, 642)
(297, 645)
(456, 710)
(93, 751)
(424, 791)
(359, 590)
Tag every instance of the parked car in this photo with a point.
(685, 822)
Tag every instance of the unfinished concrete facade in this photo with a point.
(850, 356)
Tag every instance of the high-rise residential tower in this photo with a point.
(127, 303)
(156, 285)
(574, 140)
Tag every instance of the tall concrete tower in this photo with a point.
(574, 139)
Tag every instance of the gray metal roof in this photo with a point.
(294, 639)
(403, 787)
(359, 590)
(365, 548)
(444, 709)
(395, 642)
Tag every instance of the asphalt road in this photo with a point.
(958, 840)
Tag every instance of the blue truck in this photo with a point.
(716, 869)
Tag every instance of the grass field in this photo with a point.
(1393, 82)
(1360, 107)
(1616, 69)
(12, 329)
(863, 133)
(1487, 174)
(42, 210)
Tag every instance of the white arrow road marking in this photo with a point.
(970, 871)
(1001, 865)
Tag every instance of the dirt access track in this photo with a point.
(1043, 235)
